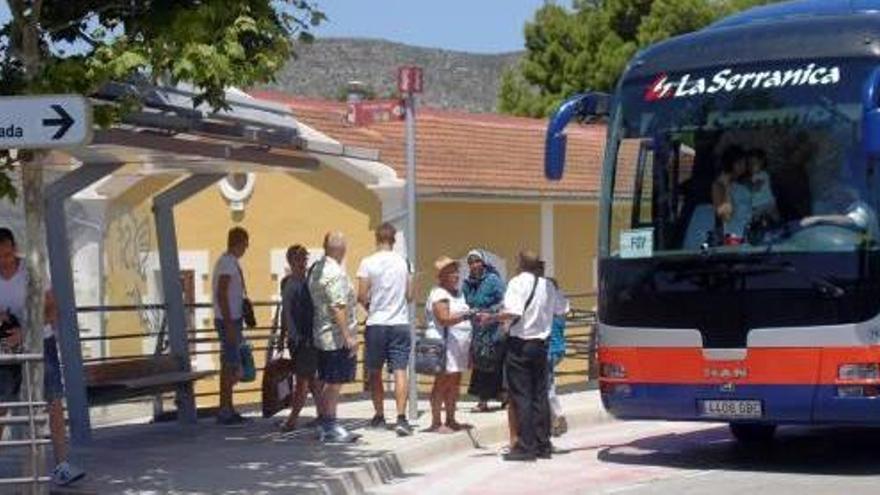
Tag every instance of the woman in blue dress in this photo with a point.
(484, 291)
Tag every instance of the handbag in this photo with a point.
(277, 385)
(278, 378)
(247, 313)
(247, 307)
(430, 355)
(248, 368)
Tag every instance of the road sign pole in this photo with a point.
(411, 241)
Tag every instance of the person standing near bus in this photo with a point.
(384, 290)
(228, 292)
(335, 333)
(484, 290)
(530, 303)
(13, 296)
(297, 321)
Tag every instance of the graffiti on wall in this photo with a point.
(131, 233)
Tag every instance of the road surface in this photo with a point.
(665, 458)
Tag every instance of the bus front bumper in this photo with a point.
(777, 404)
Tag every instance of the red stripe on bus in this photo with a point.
(767, 366)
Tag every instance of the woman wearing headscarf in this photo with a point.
(484, 291)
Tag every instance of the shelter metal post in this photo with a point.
(58, 246)
(172, 289)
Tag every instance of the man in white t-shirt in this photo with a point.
(384, 289)
(530, 302)
(227, 290)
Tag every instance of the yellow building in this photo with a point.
(480, 184)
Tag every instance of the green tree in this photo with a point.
(76, 46)
(589, 45)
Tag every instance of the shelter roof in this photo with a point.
(466, 154)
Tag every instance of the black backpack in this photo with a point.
(302, 313)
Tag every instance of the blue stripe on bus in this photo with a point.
(794, 404)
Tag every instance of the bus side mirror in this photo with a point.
(583, 106)
(871, 136)
(871, 115)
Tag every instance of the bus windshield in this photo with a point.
(756, 158)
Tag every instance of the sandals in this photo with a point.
(442, 429)
(482, 407)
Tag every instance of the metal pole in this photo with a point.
(175, 313)
(61, 270)
(411, 242)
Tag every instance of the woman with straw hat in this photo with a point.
(448, 317)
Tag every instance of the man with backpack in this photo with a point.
(296, 329)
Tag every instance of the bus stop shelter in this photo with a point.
(171, 135)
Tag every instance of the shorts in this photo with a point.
(230, 354)
(387, 344)
(336, 366)
(53, 389)
(305, 360)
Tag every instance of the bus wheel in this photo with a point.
(752, 433)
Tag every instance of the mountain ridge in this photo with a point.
(452, 79)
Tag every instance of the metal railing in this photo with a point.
(582, 316)
(34, 418)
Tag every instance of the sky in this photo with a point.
(481, 26)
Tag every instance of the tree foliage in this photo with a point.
(83, 44)
(587, 46)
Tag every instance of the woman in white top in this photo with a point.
(447, 313)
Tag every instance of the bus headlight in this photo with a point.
(612, 370)
(858, 371)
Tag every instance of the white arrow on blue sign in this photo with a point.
(45, 121)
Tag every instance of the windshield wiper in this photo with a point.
(746, 267)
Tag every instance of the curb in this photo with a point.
(398, 463)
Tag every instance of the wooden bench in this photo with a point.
(114, 381)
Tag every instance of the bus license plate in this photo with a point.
(731, 409)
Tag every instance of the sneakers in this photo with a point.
(560, 426)
(66, 473)
(403, 428)
(378, 423)
(336, 433)
(231, 419)
(519, 456)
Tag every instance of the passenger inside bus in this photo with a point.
(769, 187)
(732, 194)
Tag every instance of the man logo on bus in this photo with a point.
(730, 81)
(726, 373)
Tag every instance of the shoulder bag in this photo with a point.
(247, 307)
(430, 355)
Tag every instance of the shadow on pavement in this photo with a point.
(820, 451)
(206, 458)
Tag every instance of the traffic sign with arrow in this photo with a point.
(45, 121)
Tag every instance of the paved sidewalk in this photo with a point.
(257, 459)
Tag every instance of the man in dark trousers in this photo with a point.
(530, 302)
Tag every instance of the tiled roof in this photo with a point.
(460, 153)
